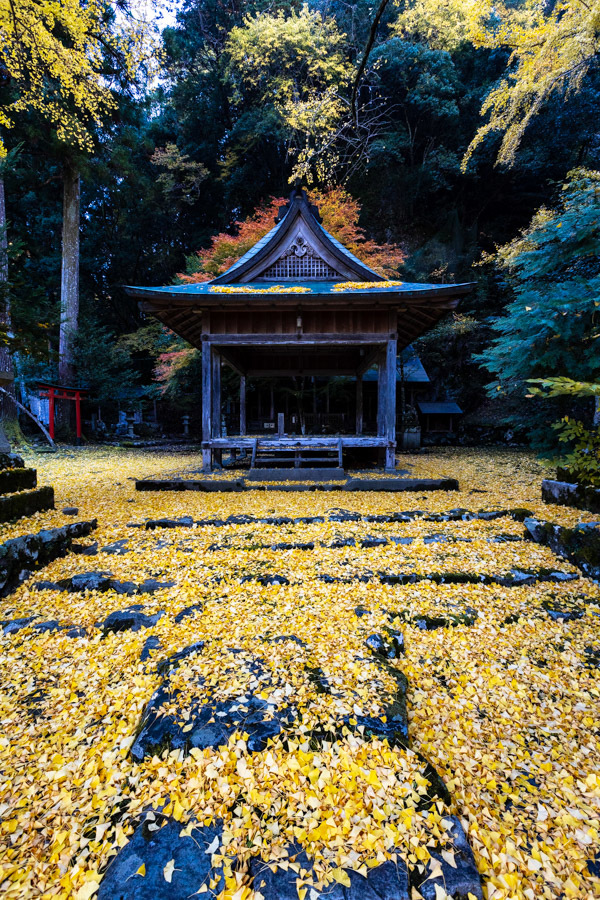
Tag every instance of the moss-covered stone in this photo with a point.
(567, 493)
(580, 545)
(20, 556)
(26, 503)
(17, 479)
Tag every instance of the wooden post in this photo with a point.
(359, 403)
(78, 415)
(390, 407)
(381, 394)
(216, 393)
(216, 401)
(206, 405)
(51, 413)
(242, 404)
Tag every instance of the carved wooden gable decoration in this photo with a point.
(298, 249)
(301, 262)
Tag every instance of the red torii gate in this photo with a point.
(53, 392)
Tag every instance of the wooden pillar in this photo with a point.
(381, 391)
(78, 415)
(206, 405)
(390, 404)
(359, 403)
(216, 393)
(242, 404)
(51, 413)
(216, 401)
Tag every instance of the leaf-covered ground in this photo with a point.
(506, 708)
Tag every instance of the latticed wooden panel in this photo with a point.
(300, 268)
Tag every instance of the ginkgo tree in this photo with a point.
(62, 62)
(551, 48)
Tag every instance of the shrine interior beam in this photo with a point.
(369, 360)
(232, 362)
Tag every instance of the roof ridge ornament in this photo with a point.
(298, 196)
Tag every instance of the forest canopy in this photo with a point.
(437, 132)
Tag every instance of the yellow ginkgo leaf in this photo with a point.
(341, 876)
(168, 870)
(87, 890)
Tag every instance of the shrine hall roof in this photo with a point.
(316, 289)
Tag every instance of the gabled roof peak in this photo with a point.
(299, 197)
(298, 248)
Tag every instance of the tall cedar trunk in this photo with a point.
(69, 286)
(69, 282)
(8, 410)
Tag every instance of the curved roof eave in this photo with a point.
(201, 293)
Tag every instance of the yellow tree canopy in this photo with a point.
(550, 52)
(54, 54)
(552, 46)
(296, 64)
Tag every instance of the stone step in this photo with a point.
(22, 555)
(11, 461)
(17, 479)
(293, 474)
(26, 503)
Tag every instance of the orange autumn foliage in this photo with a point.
(340, 214)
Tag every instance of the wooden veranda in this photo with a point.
(299, 303)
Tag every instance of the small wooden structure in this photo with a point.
(299, 303)
(439, 416)
(54, 392)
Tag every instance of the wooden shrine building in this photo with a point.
(299, 303)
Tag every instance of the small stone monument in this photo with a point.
(121, 429)
(186, 425)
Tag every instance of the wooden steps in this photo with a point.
(297, 455)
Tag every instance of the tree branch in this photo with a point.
(365, 57)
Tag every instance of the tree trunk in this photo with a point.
(8, 413)
(69, 282)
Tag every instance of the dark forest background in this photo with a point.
(200, 148)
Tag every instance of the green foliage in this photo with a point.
(181, 177)
(582, 456)
(104, 367)
(552, 325)
(295, 64)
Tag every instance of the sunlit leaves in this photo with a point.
(505, 709)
